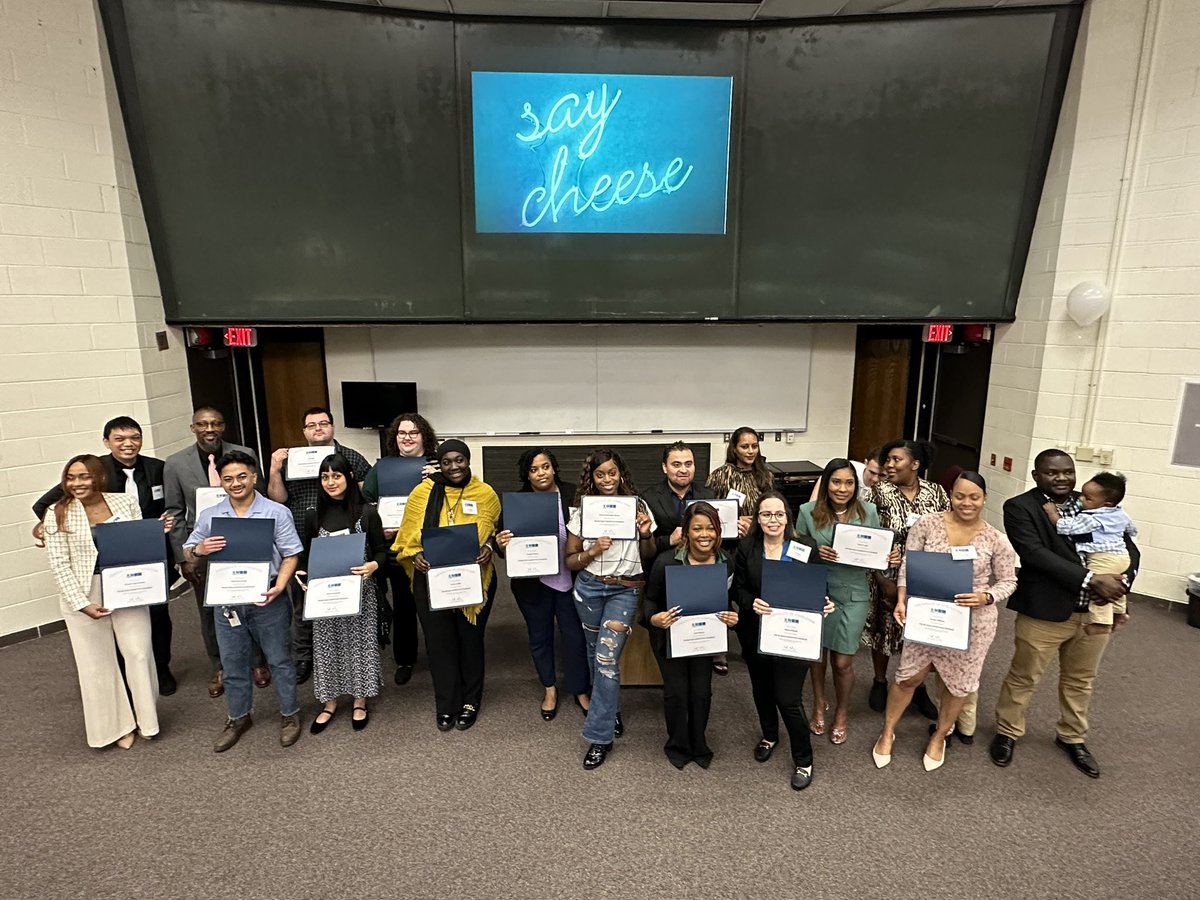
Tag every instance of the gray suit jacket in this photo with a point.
(182, 474)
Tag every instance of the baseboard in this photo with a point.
(29, 634)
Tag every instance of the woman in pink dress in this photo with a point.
(994, 580)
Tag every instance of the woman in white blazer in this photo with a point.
(96, 632)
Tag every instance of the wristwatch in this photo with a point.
(991, 599)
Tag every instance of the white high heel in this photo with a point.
(881, 759)
(930, 763)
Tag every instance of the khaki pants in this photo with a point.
(1106, 564)
(966, 719)
(1079, 656)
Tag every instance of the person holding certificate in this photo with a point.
(346, 648)
(606, 539)
(962, 534)
(837, 503)
(777, 682)
(687, 680)
(545, 599)
(453, 637)
(96, 632)
(409, 436)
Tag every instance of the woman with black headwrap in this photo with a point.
(453, 637)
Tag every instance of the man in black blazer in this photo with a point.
(123, 438)
(1053, 591)
(669, 498)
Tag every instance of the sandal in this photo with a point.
(816, 722)
(838, 735)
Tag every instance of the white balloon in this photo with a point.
(1087, 302)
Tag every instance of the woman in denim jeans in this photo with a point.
(606, 595)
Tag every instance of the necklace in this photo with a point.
(450, 512)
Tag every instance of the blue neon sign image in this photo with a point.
(600, 154)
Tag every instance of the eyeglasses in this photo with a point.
(324, 423)
(240, 478)
(773, 515)
(411, 434)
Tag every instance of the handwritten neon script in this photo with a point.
(569, 113)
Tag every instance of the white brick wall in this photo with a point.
(1153, 339)
(79, 304)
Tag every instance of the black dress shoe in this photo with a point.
(964, 738)
(582, 708)
(1082, 759)
(763, 750)
(922, 704)
(1001, 750)
(619, 727)
(467, 717)
(548, 714)
(801, 777)
(303, 671)
(595, 756)
(403, 675)
(877, 699)
(359, 724)
(317, 726)
(166, 683)
(445, 722)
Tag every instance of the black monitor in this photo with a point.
(373, 404)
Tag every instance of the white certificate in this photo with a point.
(391, 511)
(451, 587)
(236, 583)
(328, 598)
(704, 635)
(614, 517)
(124, 586)
(939, 623)
(528, 557)
(790, 632)
(207, 497)
(727, 513)
(857, 545)
(303, 462)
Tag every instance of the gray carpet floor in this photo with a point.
(505, 810)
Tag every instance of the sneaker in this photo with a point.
(289, 733)
(234, 729)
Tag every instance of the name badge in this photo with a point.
(911, 520)
(967, 552)
(470, 507)
(156, 492)
(231, 616)
(798, 552)
(735, 495)
(336, 533)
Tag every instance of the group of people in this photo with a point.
(1077, 557)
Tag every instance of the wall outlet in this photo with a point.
(791, 437)
(1104, 457)
(1084, 454)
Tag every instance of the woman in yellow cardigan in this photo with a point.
(453, 637)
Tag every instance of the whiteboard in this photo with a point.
(601, 378)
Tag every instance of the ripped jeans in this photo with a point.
(606, 611)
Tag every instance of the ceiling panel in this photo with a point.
(666, 9)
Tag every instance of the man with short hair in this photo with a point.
(184, 473)
(1051, 601)
(267, 622)
(670, 497)
(128, 471)
(301, 495)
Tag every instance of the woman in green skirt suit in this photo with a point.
(837, 501)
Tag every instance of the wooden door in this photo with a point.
(880, 401)
(293, 380)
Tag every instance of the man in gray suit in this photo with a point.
(185, 475)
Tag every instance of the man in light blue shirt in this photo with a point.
(267, 622)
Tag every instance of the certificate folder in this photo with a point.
(450, 545)
(791, 585)
(130, 543)
(937, 576)
(398, 475)
(246, 540)
(531, 514)
(333, 556)
(698, 590)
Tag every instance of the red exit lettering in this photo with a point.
(939, 332)
(241, 337)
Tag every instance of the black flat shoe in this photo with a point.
(619, 727)
(445, 723)
(922, 704)
(582, 708)
(967, 739)
(166, 683)
(359, 724)
(317, 725)
(801, 777)
(877, 699)
(763, 750)
(595, 756)
(1001, 750)
(403, 675)
(548, 714)
(467, 717)
(1080, 757)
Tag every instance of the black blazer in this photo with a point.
(655, 598)
(665, 506)
(1051, 574)
(747, 583)
(148, 475)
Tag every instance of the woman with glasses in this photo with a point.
(345, 649)
(409, 435)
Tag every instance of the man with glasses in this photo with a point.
(189, 474)
(300, 495)
(269, 621)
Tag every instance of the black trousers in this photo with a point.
(455, 650)
(777, 683)
(160, 635)
(687, 700)
(404, 616)
(301, 627)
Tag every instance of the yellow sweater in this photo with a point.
(487, 512)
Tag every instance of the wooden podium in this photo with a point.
(639, 668)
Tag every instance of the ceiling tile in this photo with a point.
(799, 9)
(681, 9)
(567, 9)
(438, 6)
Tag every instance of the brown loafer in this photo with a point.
(234, 729)
(261, 676)
(216, 684)
(289, 731)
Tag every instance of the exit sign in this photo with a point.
(939, 332)
(241, 337)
